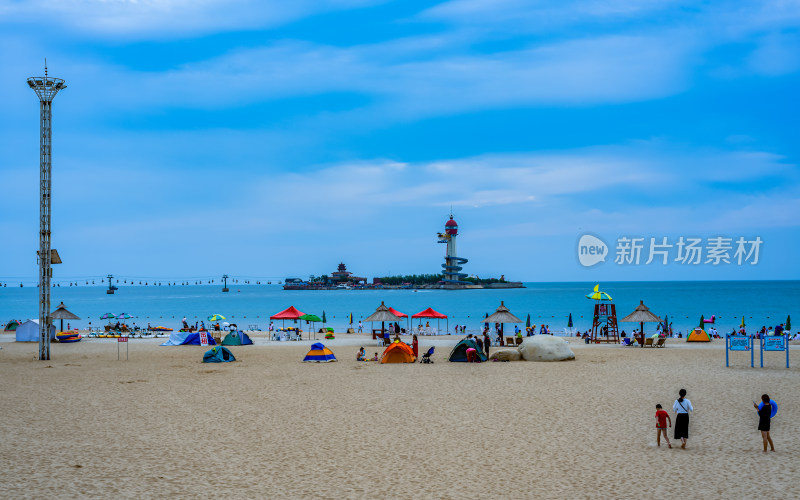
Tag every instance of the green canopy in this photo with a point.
(311, 317)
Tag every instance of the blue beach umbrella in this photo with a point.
(569, 321)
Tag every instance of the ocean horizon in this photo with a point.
(762, 303)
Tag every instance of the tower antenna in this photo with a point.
(46, 89)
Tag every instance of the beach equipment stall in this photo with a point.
(319, 354)
(429, 313)
(62, 313)
(502, 315)
(641, 315)
(604, 319)
(289, 313)
(382, 314)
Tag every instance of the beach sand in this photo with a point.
(268, 426)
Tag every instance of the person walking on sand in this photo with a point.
(682, 407)
(360, 327)
(764, 416)
(661, 425)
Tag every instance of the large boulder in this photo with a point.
(545, 348)
(506, 355)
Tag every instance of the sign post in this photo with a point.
(125, 340)
(777, 343)
(204, 338)
(739, 343)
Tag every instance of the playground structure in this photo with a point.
(452, 262)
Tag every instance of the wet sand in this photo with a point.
(269, 426)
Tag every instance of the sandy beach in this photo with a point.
(269, 426)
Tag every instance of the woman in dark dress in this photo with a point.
(764, 414)
(682, 407)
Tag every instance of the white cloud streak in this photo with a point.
(164, 19)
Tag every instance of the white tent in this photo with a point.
(29, 331)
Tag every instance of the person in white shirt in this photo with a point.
(682, 407)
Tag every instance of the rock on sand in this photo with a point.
(545, 348)
(506, 355)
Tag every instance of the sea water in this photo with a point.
(760, 302)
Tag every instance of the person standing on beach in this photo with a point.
(360, 327)
(486, 342)
(764, 416)
(661, 425)
(682, 407)
(415, 346)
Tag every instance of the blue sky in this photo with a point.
(272, 139)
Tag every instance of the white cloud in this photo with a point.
(166, 18)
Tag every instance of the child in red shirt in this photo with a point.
(661, 425)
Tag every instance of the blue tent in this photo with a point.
(29, 331)
(236, 338)
(459, 352)
(218, 354)
(320, 354)
(186, 338)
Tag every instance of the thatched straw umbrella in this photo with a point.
(62, 313)
(502, 315)
(382, 314)
(641, 315)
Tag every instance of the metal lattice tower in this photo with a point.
(46, 89)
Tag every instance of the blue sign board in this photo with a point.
(775, 343)
(739, 343)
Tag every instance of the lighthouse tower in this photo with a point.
(452, 262)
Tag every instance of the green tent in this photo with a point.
(218, 354)
(12, 325)
(237, 338)
(459, 352)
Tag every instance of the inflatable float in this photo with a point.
(710, 321)
(161, 329)
(67, 337)
(774, 407)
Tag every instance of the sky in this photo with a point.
(268, 139)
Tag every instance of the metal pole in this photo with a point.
(727, 341)
(786, 345)
(752, 354)
(46, 89)
(761, 350)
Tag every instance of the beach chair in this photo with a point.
(519, 340)
(661, 342)
(426, 358)
(648, 341)
(510, 341)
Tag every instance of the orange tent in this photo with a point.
(398, 352)
(698, 335)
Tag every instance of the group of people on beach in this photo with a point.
(682, 406)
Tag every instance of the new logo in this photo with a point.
(591, 250)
